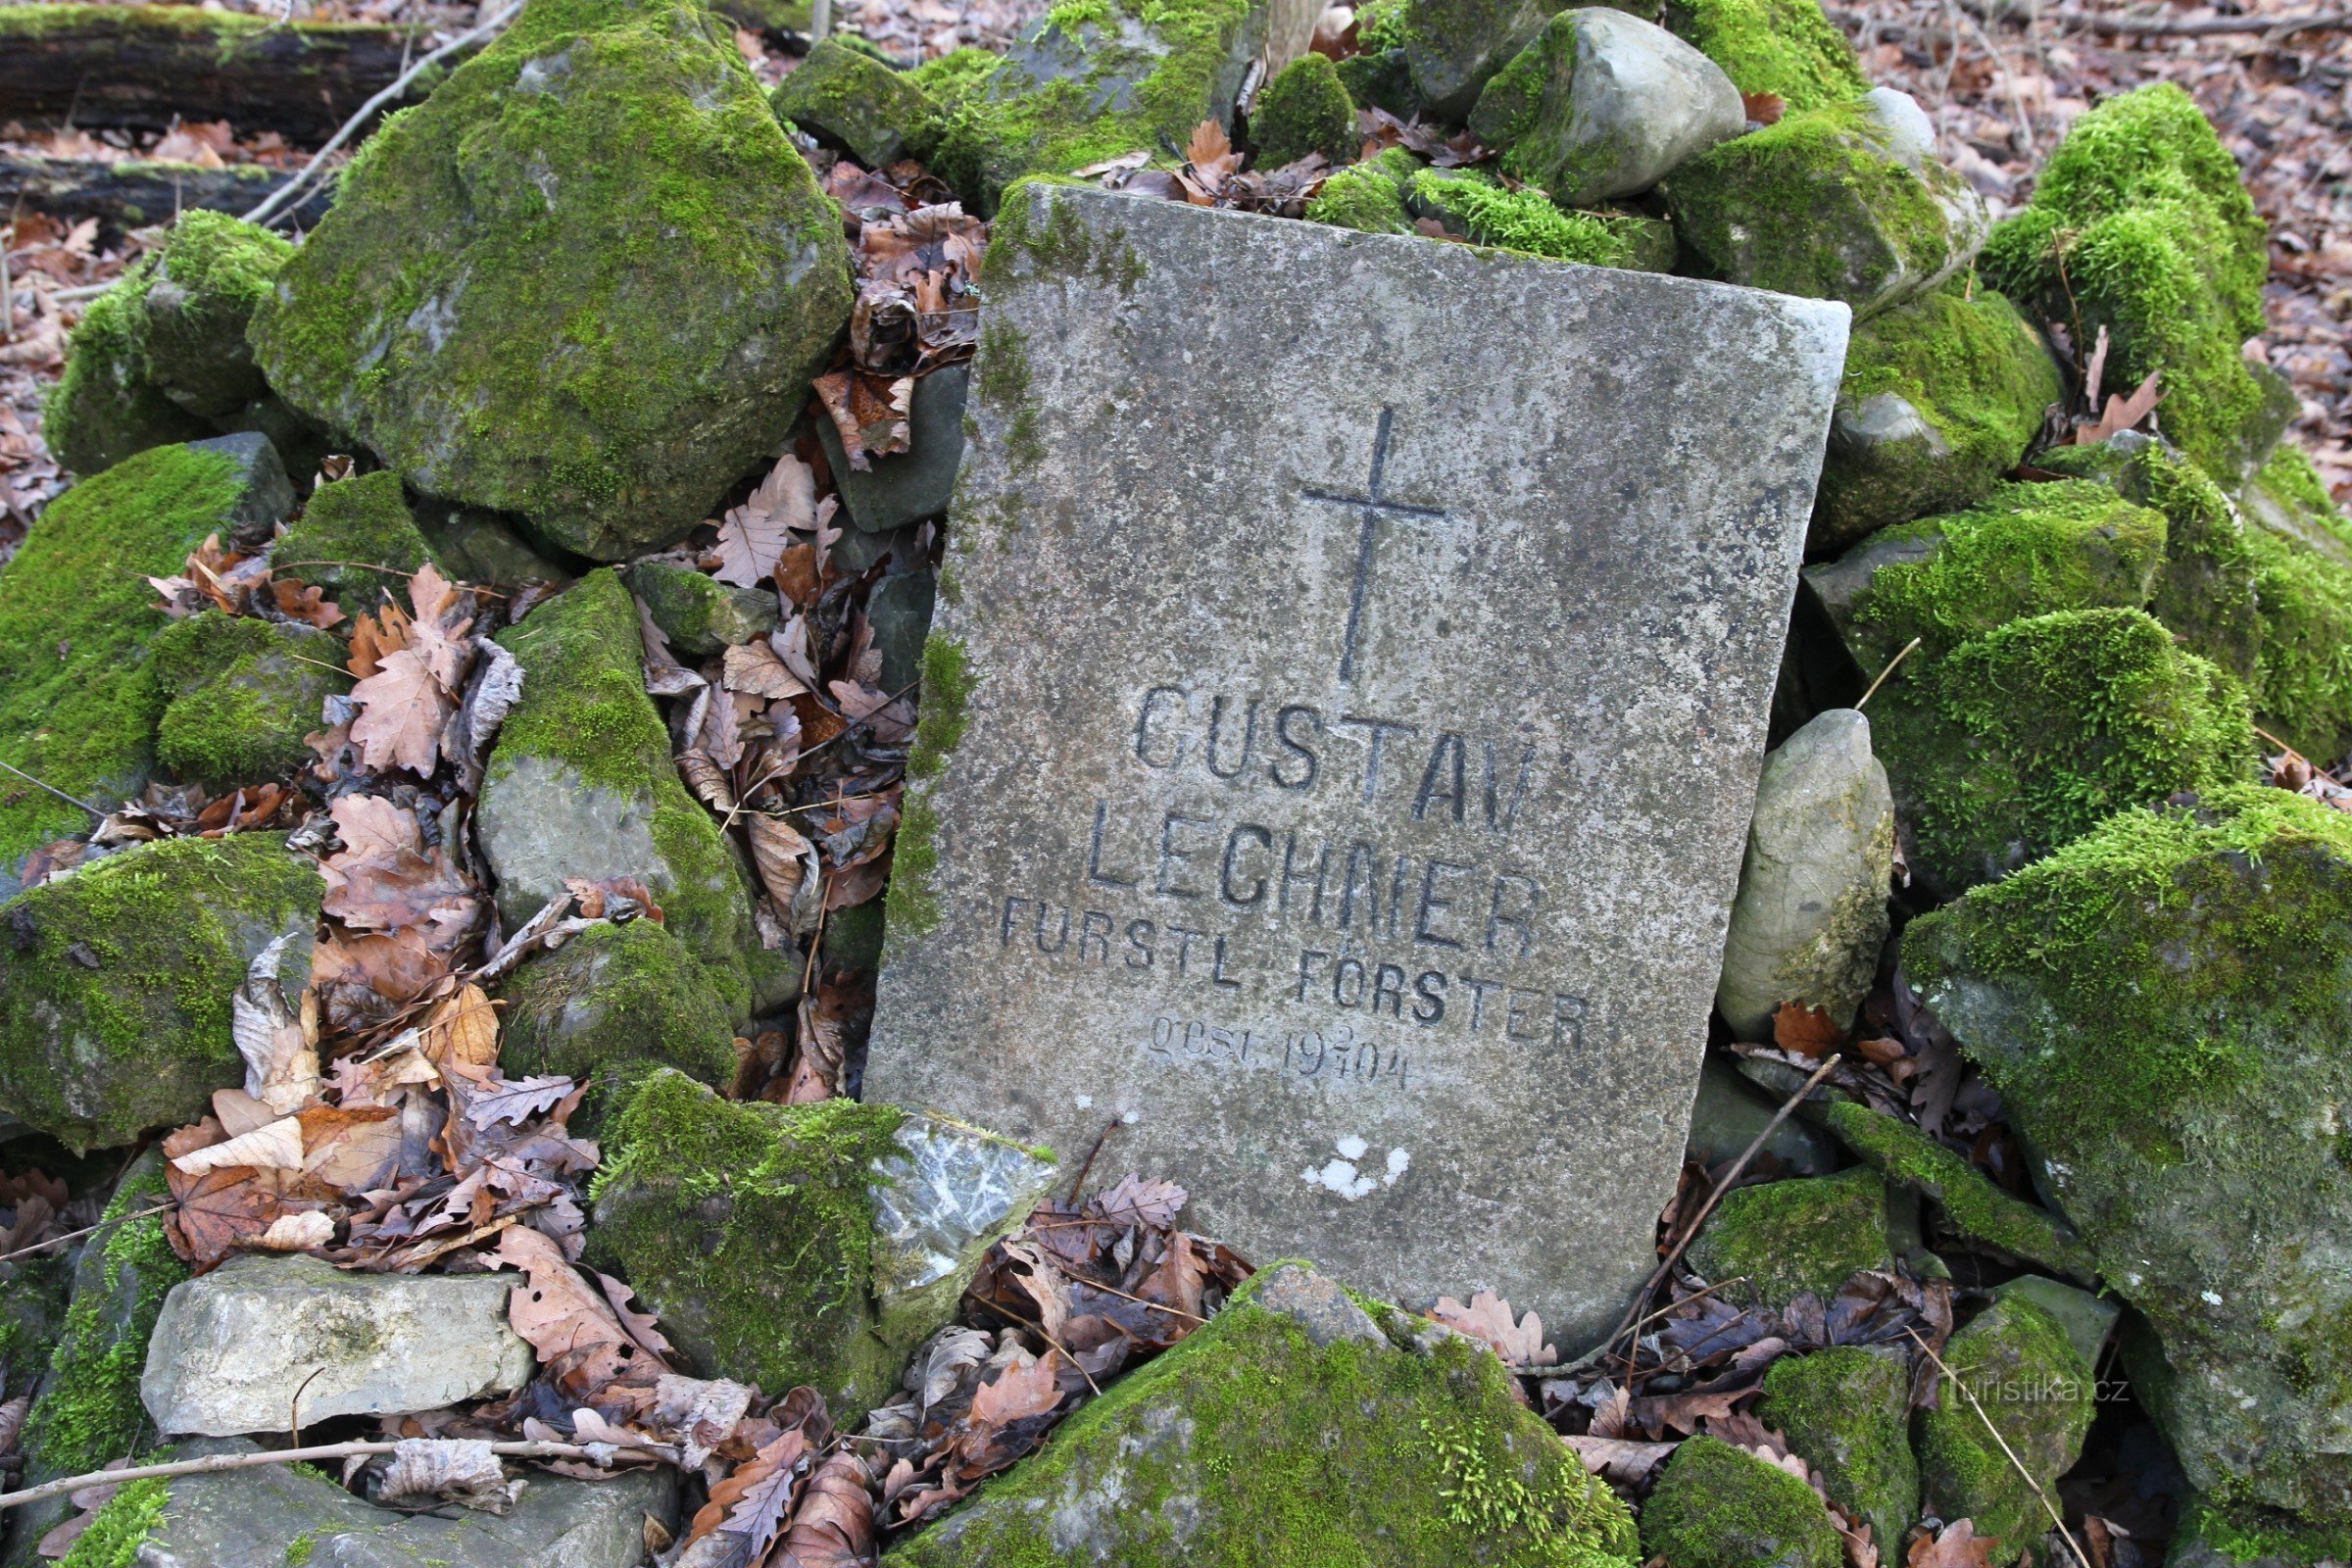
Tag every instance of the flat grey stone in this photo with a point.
(1504, 723)
(231, 1348)
(545, 822)
(1811, 914)
(255, 1518)
(2088, 1320)
(900, 608)
(1319, 1305)
(1730, 1111)
(915, 483)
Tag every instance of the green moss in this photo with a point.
(240, 694)
(112, 1538)
(2305, 683)
(33, 1296)
(618, 213)
(699, 615)
(1097, 81)
(1303, 110)
(1035, 235)
(115, 995)
(1527, 221)
(1785, 1237)
(1789, 48)
(747, 1227)
(952, 75)
(1846, 1413)
(1252, 1443)
(1972, 1204)
(2261, 1536)
(88, 1412)
(1717, 1506)
(912, 908)
(300, 1549)
(613, 996)
(2028, 737)
(2032, 1386)
(584, 704)
(346, 528)
(1381, 79)
(2289, 478)
(103, 409)
(859, 103)
(1369, 196)
(1978, 377)
(2138, 223)
(77, 704)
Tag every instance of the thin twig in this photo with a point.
(328, 1451)
(294, 1406)
(276, 202)
(89, 1230)
(1079, 1184)
(1108, 1289)
(1038, 1328)
(1889, 670)
(2056, 1519)
(2273, 28)
(54, 790)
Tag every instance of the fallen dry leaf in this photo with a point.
(751, 536)
(1488, 1318)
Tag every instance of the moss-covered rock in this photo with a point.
(2299, 551)
(581, 785)
(1807, 1233)
(114, 984)
(1303, 110)
(239, 695)
(1369, 196)
(1847, 1413)
(1473, 203)
(855, 102)
(1717, 1506)
(1847, 202)
(2286, 495)
(628, 277)
(33, 1296)
(2024, 549)
(2034, 1389)
(1289, 1428)
(1968, 1201)
(78, 703)
(2028, 737)
(1941, 397)
(613, 996)
(696, 611)
(161, 357)
(357, 539)
(2214, 1535)
(1094, 80)
(1789, 48)
(2163, 1005)
(1381, 79)
(2138, 225)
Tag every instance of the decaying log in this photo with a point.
(132, 194)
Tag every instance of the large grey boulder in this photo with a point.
(1811, 912)
(1603, 105)
(277, 1515)
(233, 1349)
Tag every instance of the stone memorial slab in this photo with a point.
(1347, 697)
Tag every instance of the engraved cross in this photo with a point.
(1371, 506)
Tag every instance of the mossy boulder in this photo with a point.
(2215, 1535)
(1603, 105)
(1368, 197)
(114, 982)
(1447, 50)
(2139, 224)
(1967, 1200)
(2163, 1005)
(2301, 547)
(1473, 203)
(79, 703)
(2023, 550)
(855, 102)
(239, 695)
(612, 997)
(2286, 495)
(580, 784)
(1847, 202)
(814, 1243)
(1380, 79)
(1788, 48)
(1941, 397)
(161, 357)
(1847, 1412)
(1093, 79)
(357, 539)
(1806, 1234)
(1291, 1427)
(1718, 1506)
(699, 615)
(586, 281)
(1303, 110)
(2026, 738)
(2031, 1387)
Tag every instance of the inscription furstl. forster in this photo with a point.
(1352, 789)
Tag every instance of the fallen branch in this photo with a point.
(326, 1450)
(2273, 28)
(164, 1207)
(133, 193)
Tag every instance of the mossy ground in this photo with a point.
(1248, 1444)
(1303, 110)
(2026, 738)
(748, 1228)
(614, 995)
(1789, 48)
(78, 703)
(1527, 221)
(1847, 1412)
(240, 694)
(1808, 1234)
(348, 527)
(1369, 196)
(2034, 1389)
(115, 1011)
(1717, 1506)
